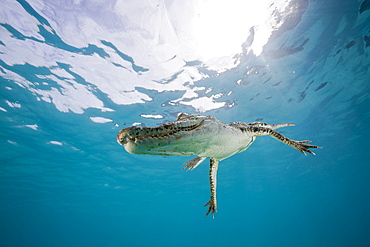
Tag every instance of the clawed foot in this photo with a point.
(192, 164)
(189, 166)
(212, 208)
(303, 148)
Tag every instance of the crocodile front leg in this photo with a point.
(192, 164)
(213, 184)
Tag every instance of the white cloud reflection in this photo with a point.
(100, 120)
(136, 43)
(56, 143)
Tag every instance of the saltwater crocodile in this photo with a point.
(204, 136)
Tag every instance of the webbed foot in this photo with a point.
(302, 147)
(212, 208)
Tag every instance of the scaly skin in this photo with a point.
(213, 185)
(204, 136)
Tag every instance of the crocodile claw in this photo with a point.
(212, 208)
(302, 147)
(192, 164)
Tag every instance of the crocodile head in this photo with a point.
(188, 135)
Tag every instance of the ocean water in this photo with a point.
(73, 73)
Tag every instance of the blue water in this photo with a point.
(73, 73)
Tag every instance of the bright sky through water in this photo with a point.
(221, 27)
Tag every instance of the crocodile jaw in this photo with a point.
(173, 138)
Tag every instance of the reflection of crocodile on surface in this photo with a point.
(204, 136)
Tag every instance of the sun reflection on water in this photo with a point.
(221, 27)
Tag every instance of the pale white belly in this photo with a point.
(226, 146)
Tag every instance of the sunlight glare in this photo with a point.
(221, 27)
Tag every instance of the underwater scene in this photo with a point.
(121, 120)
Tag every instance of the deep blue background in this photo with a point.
(90, 192)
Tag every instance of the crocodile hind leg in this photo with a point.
(213, 184)
(301, 146)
